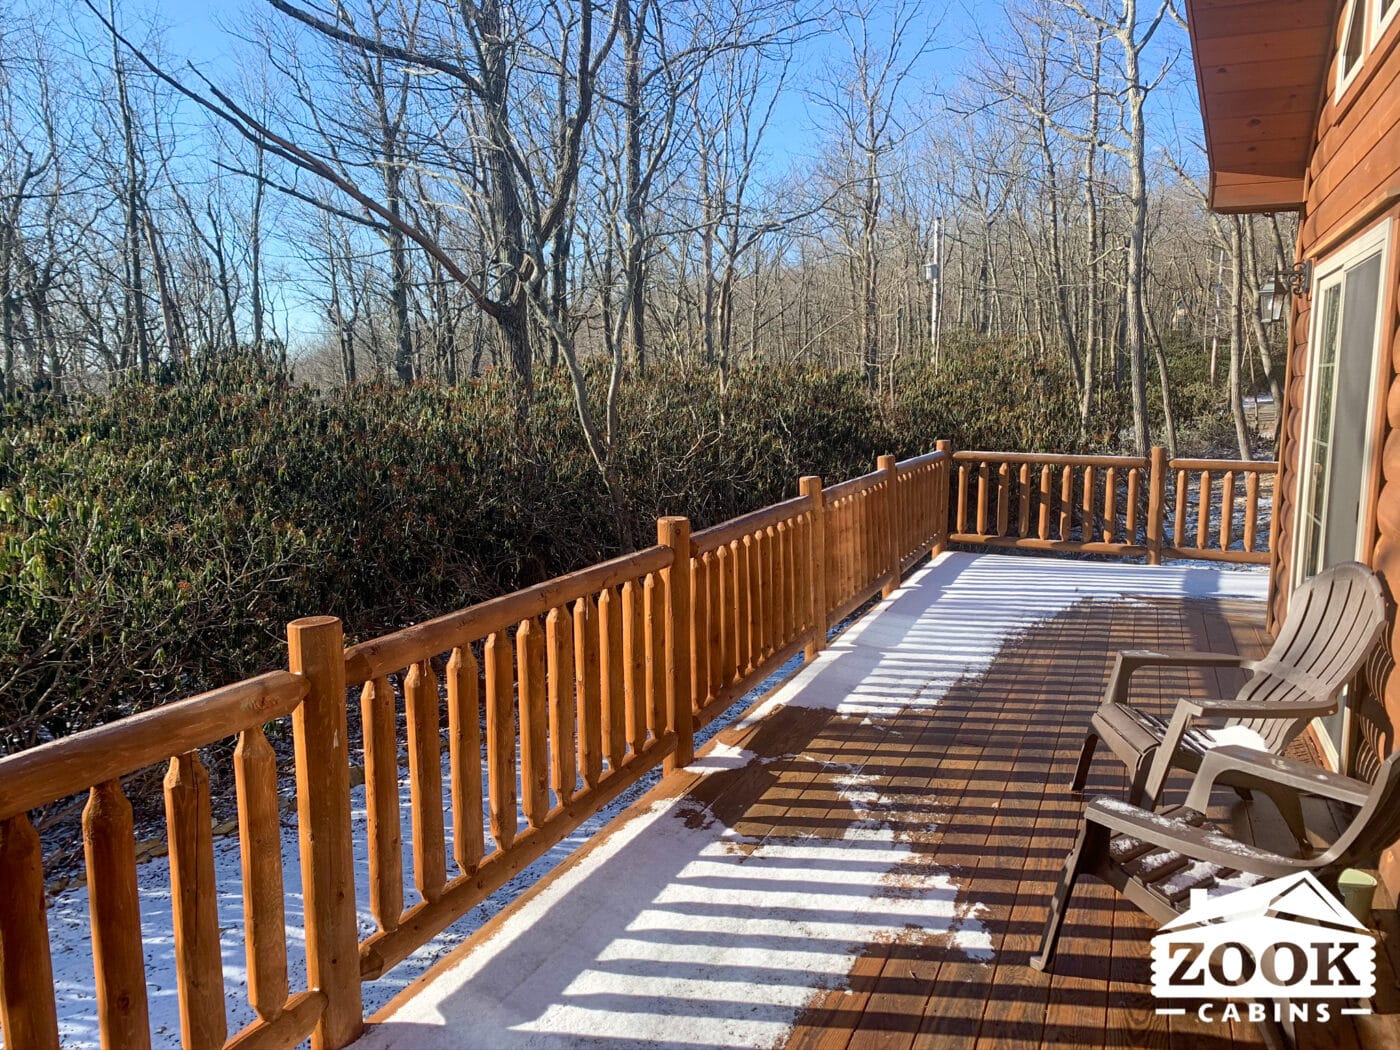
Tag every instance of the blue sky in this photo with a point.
(206, 33)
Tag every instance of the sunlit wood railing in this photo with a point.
(1153, 508)
(95, 762)
(576, 678)
(1215, 509)
(521, 718)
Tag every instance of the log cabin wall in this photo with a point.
(1353, 184)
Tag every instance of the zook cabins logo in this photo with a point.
(1284, 950)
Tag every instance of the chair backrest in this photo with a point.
(1334, 621)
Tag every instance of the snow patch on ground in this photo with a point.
(668, 936)
(952, 617)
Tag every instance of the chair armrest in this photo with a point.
(1245, 766)
(1188, 711)
(1258, 708)
(1205, 844)
(1130, 661)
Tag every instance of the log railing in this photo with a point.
(522, 716)
(1214, 506)
(1152, 508)
(572, 678)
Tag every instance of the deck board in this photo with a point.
(863, 863)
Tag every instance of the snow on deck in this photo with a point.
(689, 923)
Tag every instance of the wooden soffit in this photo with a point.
(1261, 69)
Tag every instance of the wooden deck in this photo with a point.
(865, 859)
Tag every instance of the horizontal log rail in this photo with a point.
(528, 713)
(380, 656)
(64, 767)
(721, 535)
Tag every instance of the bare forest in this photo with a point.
(413, 190)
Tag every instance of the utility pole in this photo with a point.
(1215, 318)
(933, 272)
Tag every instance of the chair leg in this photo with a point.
(1086, 757)
(1290, 806)
(1085, 849)
(1138, 788)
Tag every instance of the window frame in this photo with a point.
(1381, 19)
(1345, 78)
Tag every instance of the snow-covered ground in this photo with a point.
(674, 931)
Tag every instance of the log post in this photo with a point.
(940, 499)
(1156, 504)
(674, 532)
(811, 485)
(28, 1015)
(885, 541)
(316, 648)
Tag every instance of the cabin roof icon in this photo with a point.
(1291, 897)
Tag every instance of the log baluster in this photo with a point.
(1110, 505)
(1130, 523)
(260, 848)
(1086, 527)
(1043, 525)
(654, 638)
(962, 497)
(1227, 510)
(464, 756)
(589, 691)
(748, 588)
(420, 696)
(1003, 498)
(380, 729)
(714, 662)
(1251, 509)
(1179, 521)
(635, 663)
(1203, 511)
(563, 707)
(28, 1014)
(982, 470)
(114, 905)
(612, 663)
(699, 632)
(500, 739)
(728, 617)
(1066, 501)
(199, 969)
(534, 722)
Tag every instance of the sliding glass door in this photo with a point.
(1339, 415)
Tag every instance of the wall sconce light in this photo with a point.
(1273, 294)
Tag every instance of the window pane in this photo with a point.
(1355, 37)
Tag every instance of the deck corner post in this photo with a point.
(316, 650)
(811, 485)
(674, 532)
(941, 495)
(1156, 503)
(887, 525)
